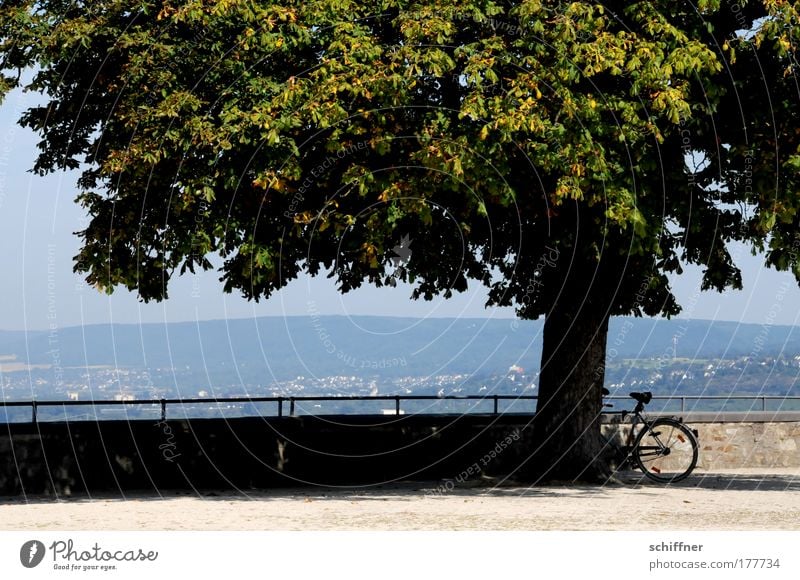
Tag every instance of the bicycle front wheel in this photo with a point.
(666, 450)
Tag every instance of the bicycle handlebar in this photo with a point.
(641, 400)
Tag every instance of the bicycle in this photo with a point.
(664, 449)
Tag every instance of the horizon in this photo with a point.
(396, 317)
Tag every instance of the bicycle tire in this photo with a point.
(681, 454)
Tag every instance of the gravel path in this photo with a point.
(744, 500)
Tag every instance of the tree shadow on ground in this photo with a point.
(743, 482)
(732, 481)
(411, 491)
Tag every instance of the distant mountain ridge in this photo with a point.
(287, 347)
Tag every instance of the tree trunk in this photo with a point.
(566, 428)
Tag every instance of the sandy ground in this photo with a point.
(744, 500)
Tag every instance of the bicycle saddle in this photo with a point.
(643, 398)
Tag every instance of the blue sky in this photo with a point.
(38, 216)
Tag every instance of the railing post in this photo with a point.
(495, 404)
(683, 404)
(163, 409)
(280, 407)
(33, 411)
(763, 403)
(397, 405)
(291, 406)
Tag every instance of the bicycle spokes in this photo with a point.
(666, 450)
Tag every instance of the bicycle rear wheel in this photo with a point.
(666, 451)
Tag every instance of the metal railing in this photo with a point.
(35, 405)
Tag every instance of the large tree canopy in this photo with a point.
(567, 155)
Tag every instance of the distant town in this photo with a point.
(775, 376)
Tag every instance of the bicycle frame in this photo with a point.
(622, 453)
(634, 454)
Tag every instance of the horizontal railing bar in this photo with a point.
(261, 400)
(178, 401)
(396, 398)
(161, 404)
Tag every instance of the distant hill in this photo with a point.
(282, 348)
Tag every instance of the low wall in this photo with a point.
(744, 440)
(733, 445)
(246, 453)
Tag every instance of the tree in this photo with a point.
(567, 155)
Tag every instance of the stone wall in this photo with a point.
(254, 453)
(740, 440)
(64, 458)
(736, 445)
